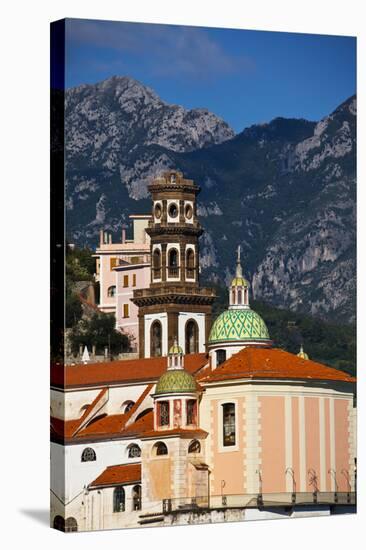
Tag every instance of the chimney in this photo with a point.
(105, 237)
(101, 236)
(110, 238)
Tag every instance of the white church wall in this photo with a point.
(108, 453)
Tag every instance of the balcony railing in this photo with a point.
(173, 272)
(190, 273)
(156, 272)
(176, 289)
(259, 500)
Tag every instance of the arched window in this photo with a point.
(233, 296)
(111, 291)
(194, 447)
(163, 408)
(59, 523)
(228, 424)
(156, 264)
(190, 264)
(127, 406)
(88, 455)
(134, 451)
(220, 356)
(160, 449)
(156, 339)
(136, 497)
(71, 525)
(119, 499)
(191, 412)
(173, 263)
(191, 337)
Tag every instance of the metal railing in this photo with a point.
(173, 272)
(176, 289)
(255, 500)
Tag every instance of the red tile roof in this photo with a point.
(272, 363)
(112, 425)
(121, 474)
(114, 372)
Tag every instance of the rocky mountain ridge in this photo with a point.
(284, 190)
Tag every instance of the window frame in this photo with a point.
(122, 490)
(125, 281)
(220, 435)
(126, 311)
(111, 293)
(87, 449)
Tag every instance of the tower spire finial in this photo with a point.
(239, 271)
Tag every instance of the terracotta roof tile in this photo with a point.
(118, 475)
(272, 363)
(131, 370)
(177, 431)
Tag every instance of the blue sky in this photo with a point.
(245, 77)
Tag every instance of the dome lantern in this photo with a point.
(302, 354)
(239, 288)
(175, 357)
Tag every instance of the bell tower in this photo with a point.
(174, 306)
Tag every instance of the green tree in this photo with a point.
(99, 331)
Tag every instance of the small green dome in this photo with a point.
(238, 324)
(175, 350)
(176, 381)
(240, 281)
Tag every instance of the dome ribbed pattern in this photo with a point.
(176, 381)
(238, 324)
(240, 281)
(175, 350)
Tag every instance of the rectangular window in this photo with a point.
(228, 424)
(126, 312)
(191, 412)
(134, 279)
(164, 413)
(125, 281)
(113, 262)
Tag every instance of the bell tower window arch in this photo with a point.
(156, 339)
(190, 263)
(156, 264)
(173, 262)
(191, 336)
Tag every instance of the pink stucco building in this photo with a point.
(121, 268)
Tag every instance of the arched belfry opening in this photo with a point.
(156, 339)
(156, 261)
(173, 263)
(191, 337)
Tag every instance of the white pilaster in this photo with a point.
(288, 441)
(322, 444)
(302, 442)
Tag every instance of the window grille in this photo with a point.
(88, 455)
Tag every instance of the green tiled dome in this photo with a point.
(176, 381)
(238, 324)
